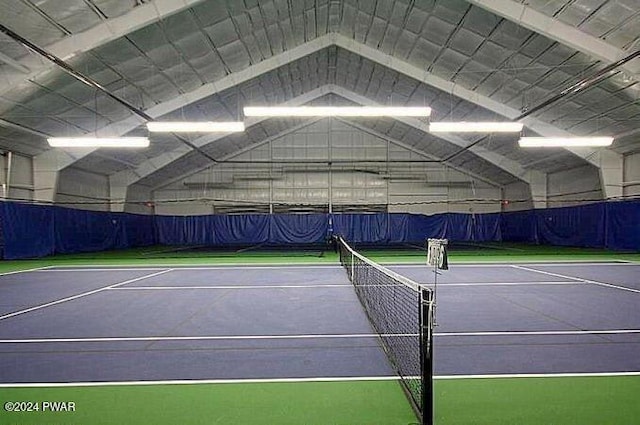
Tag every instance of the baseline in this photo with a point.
(163, 288)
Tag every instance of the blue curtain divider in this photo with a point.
(519, 226)
(292, 229)
(86, 231)
(32, 231)
(574, 226)
(185, 230)
(28, 230)
(36, 230)
(622, 230)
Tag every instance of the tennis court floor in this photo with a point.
(185, 323)
(80, 325)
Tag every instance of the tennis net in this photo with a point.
(400, 311)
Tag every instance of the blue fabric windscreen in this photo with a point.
(38, 230)
(30, 231)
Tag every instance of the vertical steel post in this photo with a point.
(426, 354)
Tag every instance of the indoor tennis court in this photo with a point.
(345, 212)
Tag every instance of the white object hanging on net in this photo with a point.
(437, 253)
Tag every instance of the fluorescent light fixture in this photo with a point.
(195, 127)
(98, 142)
(336, 111)
(535, 142)
(475, 127)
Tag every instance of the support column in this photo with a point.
(47, 167)
(611, 173)
(538, 185)
(117, 193)
(45, 178)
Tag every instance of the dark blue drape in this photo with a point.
(519, 226)
(623, 225)
(28, 230)
(240, 229)
(298, 228)
(139, 229)
(574, 226)
(426, 226)
(86, 231)
(37, 230)
(364, 228)
(185, 230)
(486, 227)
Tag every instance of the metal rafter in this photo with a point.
(129, 177)
(92, 83)
(556, 30)
(99, 35)
(375, 56)
(369, 53)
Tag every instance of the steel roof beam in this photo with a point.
(96, 36)
(556, 30)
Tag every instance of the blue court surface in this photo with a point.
(112, 324)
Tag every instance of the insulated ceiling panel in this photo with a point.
(616, 21)
(173, 57)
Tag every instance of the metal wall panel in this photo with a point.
(84, 190)
(365, 170)
(574, 187)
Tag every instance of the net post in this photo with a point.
(426, 354)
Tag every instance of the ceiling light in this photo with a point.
(195, 127)
(475, 127)
(98, 142)
(532, 142)
(336, 111)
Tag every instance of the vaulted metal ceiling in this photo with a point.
(195, 60)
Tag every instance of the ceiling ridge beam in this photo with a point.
(129, 177)
(230, 81)
(373, 55)
(238, 153)
(447, 86)
(510, 166)
(412, 149)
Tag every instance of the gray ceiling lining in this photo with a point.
(453, 39)
(616, 21)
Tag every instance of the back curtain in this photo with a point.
(87, 231)
(623, 225)
(28, 230)
(572, 226)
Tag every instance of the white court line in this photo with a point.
(510, 264)
(445, 284)
(177, 267)
(578, 263)
(196, 338)
(311, 336)
(518, 333)
(44, 268)
(579, 279)
(84, 294)
(537, 375)
(162, 288)
(114, 269)
(106, 268)
(203, 381)
(317, 379)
